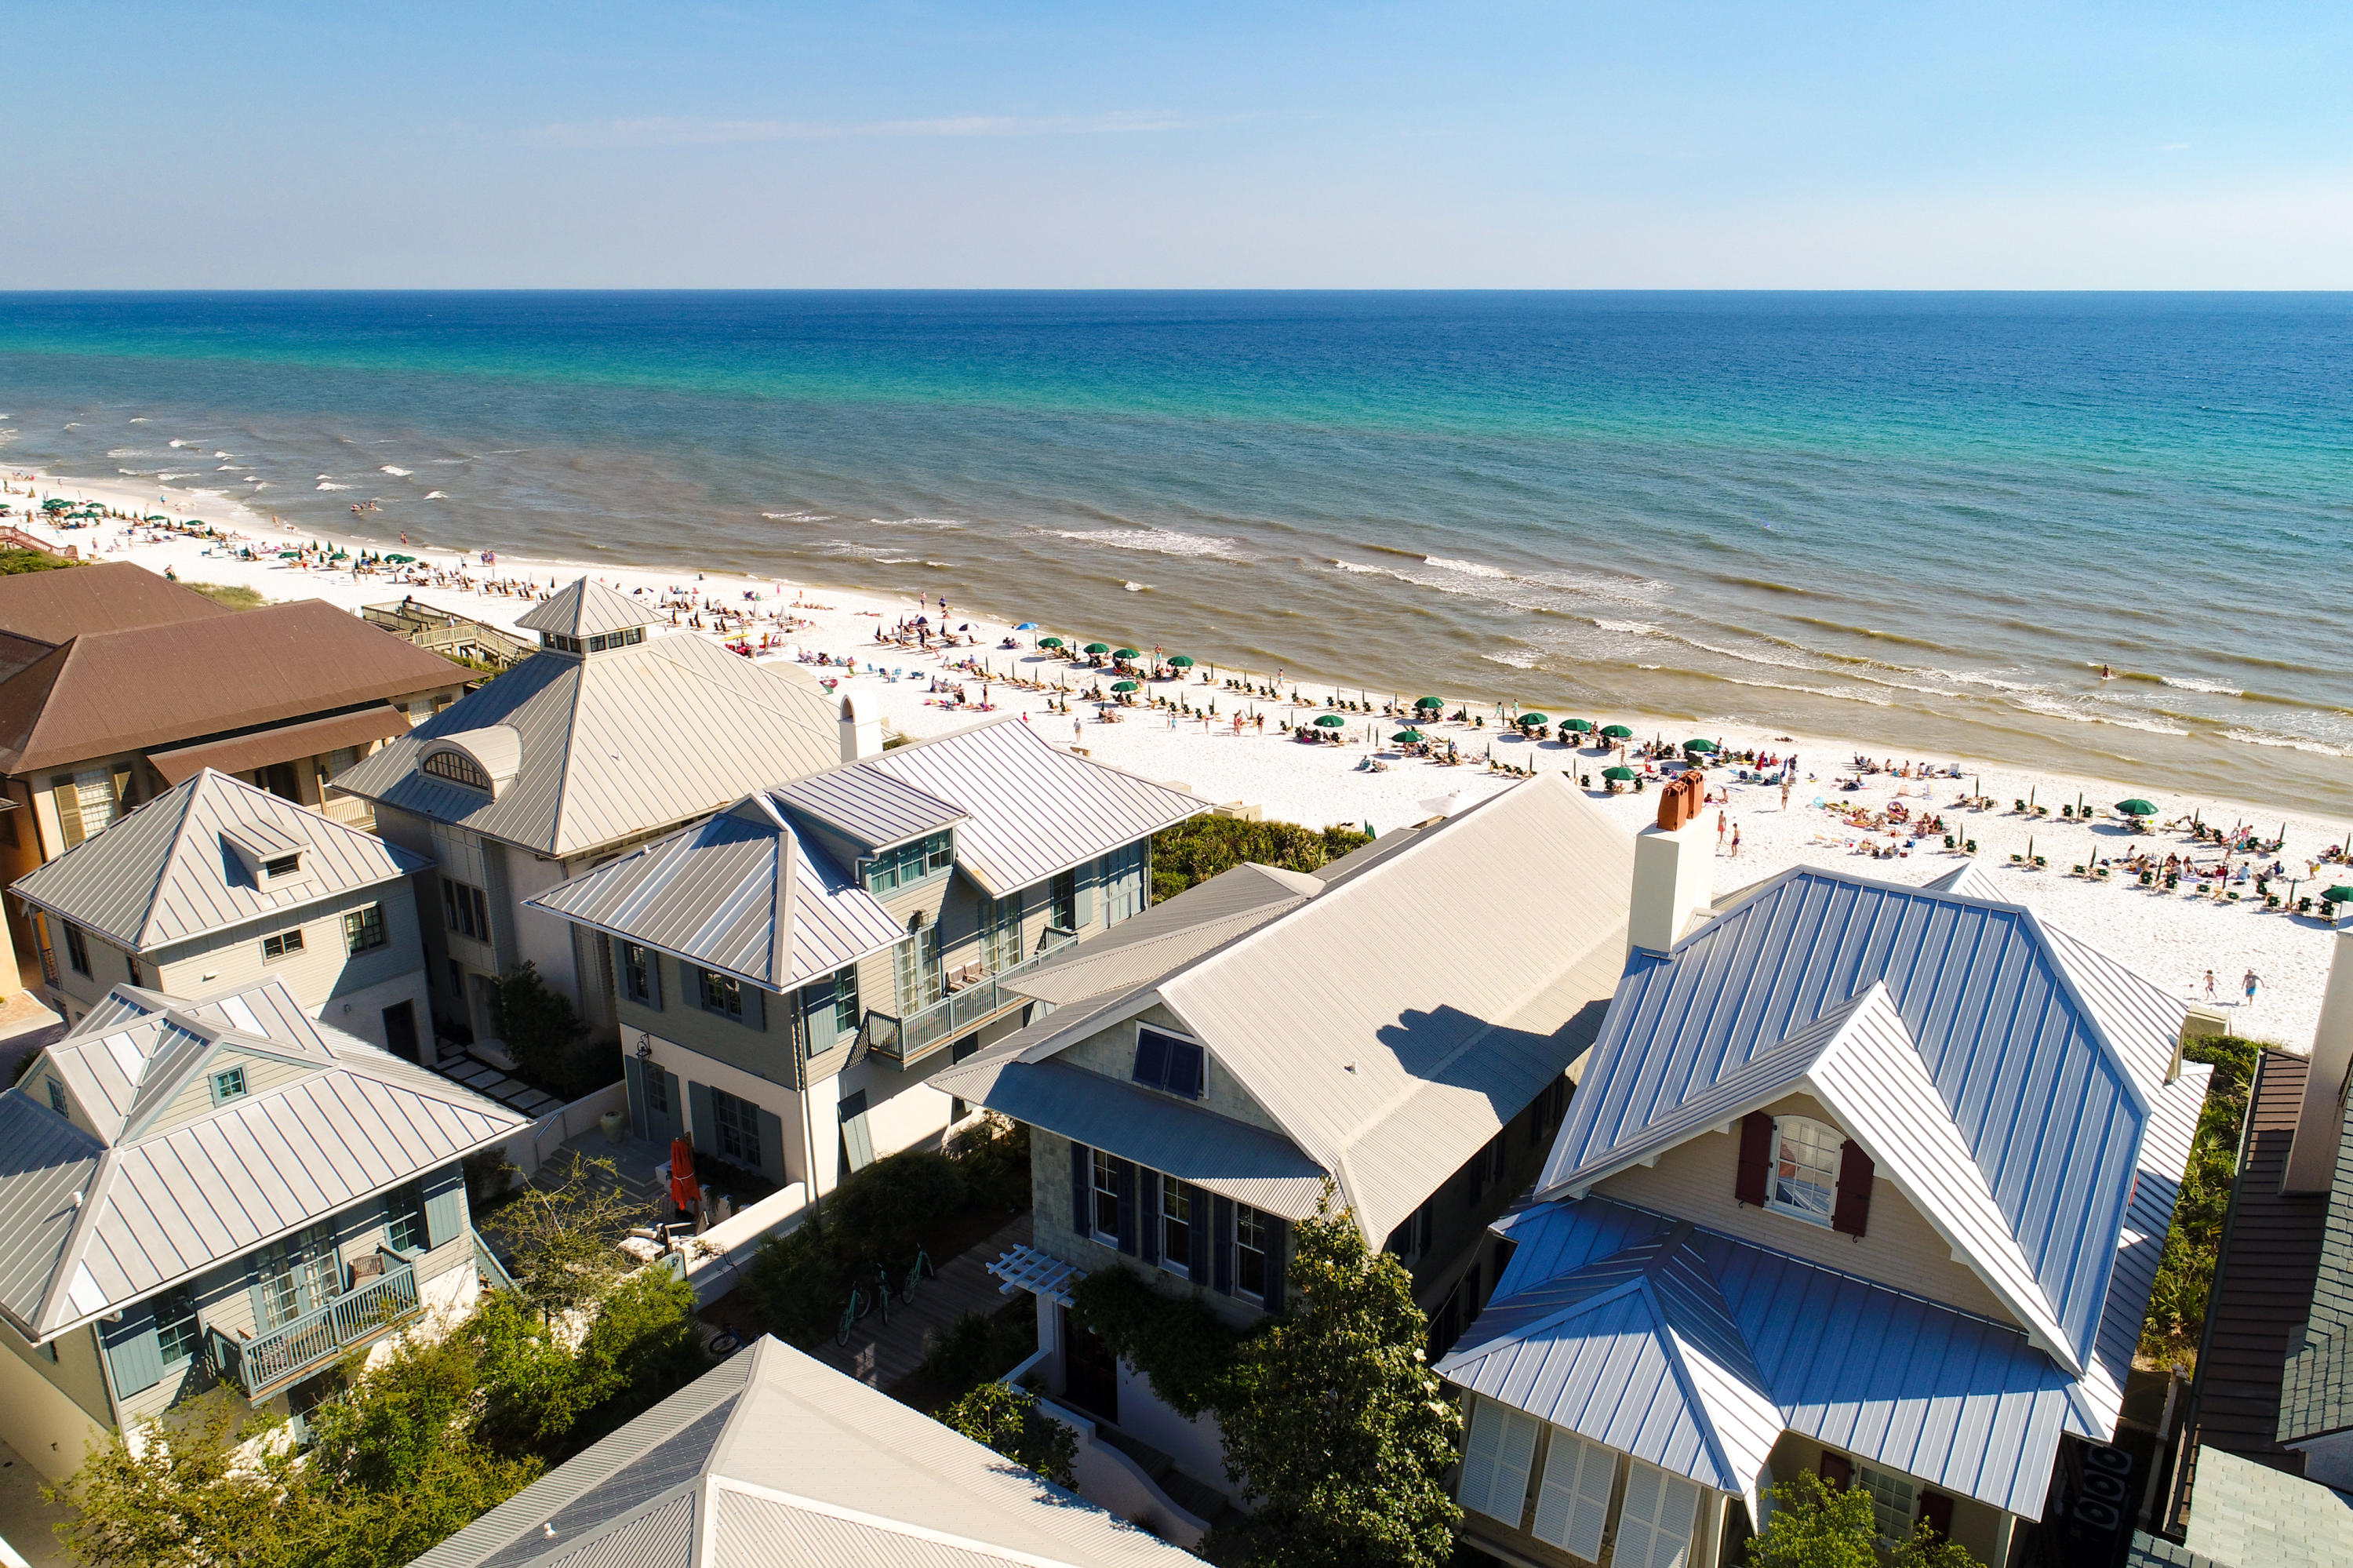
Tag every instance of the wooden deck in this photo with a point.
(882, 1353)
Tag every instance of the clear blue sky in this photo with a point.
(519, 145)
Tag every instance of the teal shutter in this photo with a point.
(698, 1105)
(772, 1147)
(444, 1204)
(653, 979)
(1083, 901)
(756, 1008)
(633, 1083)
(131, 1352)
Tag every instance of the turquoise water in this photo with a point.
(1928, 519)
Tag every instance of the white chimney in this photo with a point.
(860, 738)
(1674, 868)
(2320, 1121)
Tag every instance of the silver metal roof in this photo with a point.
(167, 873)
(587, 608)
(161, 1207)
(616, 744)
(1392, 1024)
(869, 805)
(1032, 812)
(1149, 945)
(2026, 1082)
(1689, 1367)
(740, 893)
(798, 1464)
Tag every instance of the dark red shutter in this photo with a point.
(1756, 1174)
(1851, 1216)
(1837, 1469)
(1936, 1513)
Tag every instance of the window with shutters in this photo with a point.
(403, 1218)
(57, 1097)
(1176, 1226)
(466, 908)
(657, 1090)
(637, 973)
(1573, 1501)
(1253, 1240)
(845, 1001)
(1893, 1502)
(908, 864)
(1805, 1169)
(176, 1334)
(1000, 932)
(916, 967)
(1498, 1453)
(282, 944)
(1656, 1521)
(1166, 1063)
(296, 1275)
(738, 1127)
(363, 929)
(1105, 1217)
(77, 948)
(1064, 898)
(721, 994)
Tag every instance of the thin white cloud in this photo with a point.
(674, 133)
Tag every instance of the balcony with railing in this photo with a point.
(960, 1011)
(372, 1308)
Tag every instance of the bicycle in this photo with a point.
(915, 1272)
(858, 1308)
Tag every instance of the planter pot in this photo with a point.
(614, 1125)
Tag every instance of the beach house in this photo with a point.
(1398, 1025)
(789, 970)
(116, 684)
(773, 1459)
(216, 884)
(615, 732)
(218, 1194)
(1861, 1179)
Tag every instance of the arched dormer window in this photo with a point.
(458, 768)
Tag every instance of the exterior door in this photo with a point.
(1090, 1371)
(400, 1029)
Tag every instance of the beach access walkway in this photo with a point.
(884, 1354)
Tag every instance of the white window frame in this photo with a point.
(1249, 1220)
(1173, 1192)
(1882, 1486)
(1773, 1199)
(1103, 1182)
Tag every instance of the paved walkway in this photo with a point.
(882, 1353)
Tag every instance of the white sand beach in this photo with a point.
(2175, 938)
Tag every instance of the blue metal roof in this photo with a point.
(2038, 1093)
(1959, 1401)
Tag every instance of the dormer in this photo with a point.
(273, 855)
(485, 760)
(588, 619)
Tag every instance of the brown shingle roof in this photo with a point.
(110, 692)
(2262, 1280)
(109, 595)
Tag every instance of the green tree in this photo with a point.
(187, 1499)
(1333, 1418)
(1008, 1420)
(1815, 1525)
(1199, 849)
(563, 1227)
(543, 1034)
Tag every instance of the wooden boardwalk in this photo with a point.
(881, 1354)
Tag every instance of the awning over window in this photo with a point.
(244, 753)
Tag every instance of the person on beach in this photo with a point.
(1720, 821)
(2210, 985)
(1785, 792)
(2252, 982)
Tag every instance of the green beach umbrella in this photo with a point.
(1098, 648)
(1407, 735)
(1580, 725)
(2339, 895)
(1330, 721)
(1123, 653)
(1619, 732)
(1123, 686)
(1049, 643)
(1623, 774)
(1431, 702)
(1527, 720)
(1699, 746)
(1180, 660)
(2137, 808)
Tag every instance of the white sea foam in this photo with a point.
(1470, 568)
(2051, 707)
(326, 476)
(797, 517)
(1980, 678)
(1637, 628)
(135, 419)
(2215, 688)
(1153, 541)
(2291, 743)
(437, 496)
(395, 473)
(168, 478)
(126, 451)
(226, 468)
(181, 444)
(1813, 691)
(224, 454)
(334, 487)
(913, 523)
(1136, 587)
(1516, 660)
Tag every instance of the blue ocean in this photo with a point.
(1927, 519)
